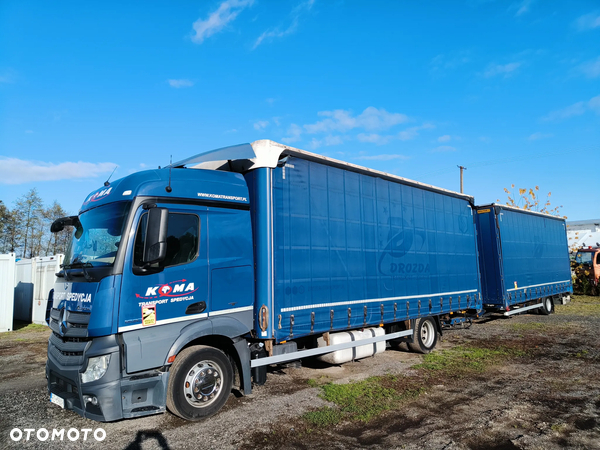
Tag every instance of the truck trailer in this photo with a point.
(181, 280)
(523, 258)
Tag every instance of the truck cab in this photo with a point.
(586, 268)
(159, 260)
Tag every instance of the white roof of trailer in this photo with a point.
(526, 211)
(267, 153)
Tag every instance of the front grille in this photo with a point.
(69, 336)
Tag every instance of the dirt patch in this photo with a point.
(528, 382)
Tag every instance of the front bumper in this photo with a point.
(119, 395)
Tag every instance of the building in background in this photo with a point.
(583, 233)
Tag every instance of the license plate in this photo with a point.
(57, 400)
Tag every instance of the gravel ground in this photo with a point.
(548, 400)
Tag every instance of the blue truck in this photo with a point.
(183, 281)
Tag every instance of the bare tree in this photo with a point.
(28, 210)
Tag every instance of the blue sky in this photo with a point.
(511, 90)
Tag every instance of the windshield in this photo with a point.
(97, 236)
(584, 257)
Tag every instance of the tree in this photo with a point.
(10, 232)
(28, 210)
(529, 200)
(55, 242)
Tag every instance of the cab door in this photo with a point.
(174, 290)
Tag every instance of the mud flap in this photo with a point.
(243, 351)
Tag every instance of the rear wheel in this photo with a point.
(547, 306)
(199, 382)
(425, 336)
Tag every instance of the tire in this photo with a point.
(200, 382)
(547, 306)
(425, 336)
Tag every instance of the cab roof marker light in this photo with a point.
(128, 192)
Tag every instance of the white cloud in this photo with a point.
(233, 130)
(217, 20)
(444, 138)
(261, 124)
(370, 119)
(8, 77)
(29, 131)
(374, 138)
(271, 100)
(294, 132)
(449, 62)
(182, 83)
(588, 21)
(444, 148)
(576, 109)
(19, 171)
(522, 7)
(537, 136)
(280, 31)
(591, 69)
(501, 69)
(327, 141)
(413, 132)
(384, 157)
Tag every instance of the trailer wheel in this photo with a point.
(425, 336)
(547, 306)
(199, 382)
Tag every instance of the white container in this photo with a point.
(24, 270)
(44, 278)
(7, 291)
(349, 354)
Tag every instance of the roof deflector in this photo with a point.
(234, 152)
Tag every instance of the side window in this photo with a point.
(182, 240)
(597, 258)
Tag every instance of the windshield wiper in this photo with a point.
(78, 265)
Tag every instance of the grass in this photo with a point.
(361, 400)
(580, 305)
(530, 326)
(459, 361)
(364, 400)
(23, 327)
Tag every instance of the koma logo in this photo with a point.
(98, 195)
(172, 289)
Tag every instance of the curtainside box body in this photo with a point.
(341, 247)
(523, 255)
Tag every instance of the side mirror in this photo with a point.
(60, 224)
(155, 247)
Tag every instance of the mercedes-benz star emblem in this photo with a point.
(63, 322)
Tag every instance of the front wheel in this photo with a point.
(199, 382)
(425, 336)
(547, 306)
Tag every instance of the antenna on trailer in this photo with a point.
(106, 183)
(168, 188)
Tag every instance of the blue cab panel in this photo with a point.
(339, 249)
(523, 255)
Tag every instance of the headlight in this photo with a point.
(96, 368)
